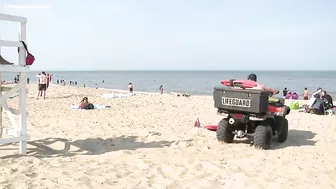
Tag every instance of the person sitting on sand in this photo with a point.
(328, 101)
(84, 104)
(317, 104)
(318, 92)
(315, 95)
(318, 107)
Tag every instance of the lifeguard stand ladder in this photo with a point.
(17, 131)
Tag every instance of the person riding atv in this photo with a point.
(249, 110)
(253, 77)
(271, 108)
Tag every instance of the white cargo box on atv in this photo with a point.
(229, 99)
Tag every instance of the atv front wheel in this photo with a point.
(262, 137)
(224, 131)
(283, 130)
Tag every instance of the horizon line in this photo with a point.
(184, 70)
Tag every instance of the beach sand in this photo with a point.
(148, 141)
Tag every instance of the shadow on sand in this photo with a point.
(91, 146)
(296, 138)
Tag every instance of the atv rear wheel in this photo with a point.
(262, 137)
(224, 131)
(283, 130)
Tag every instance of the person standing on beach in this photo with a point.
(130, 87)
(48, 80)
(305, 94)
(161, 89)
(284, 92)
(42, 84)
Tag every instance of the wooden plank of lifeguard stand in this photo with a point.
(22, 93)
(1, 104)
(20, 136)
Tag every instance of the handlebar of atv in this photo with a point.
(272, 94)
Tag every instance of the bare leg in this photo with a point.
(38, 94)
(44, 94)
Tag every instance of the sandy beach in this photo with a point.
(148, 141)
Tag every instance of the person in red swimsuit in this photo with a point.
(282, 110)
(306, 94)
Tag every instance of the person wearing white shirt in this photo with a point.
(315, 95)
(42, 84)
(130, 87)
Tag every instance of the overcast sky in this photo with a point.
(175, 34)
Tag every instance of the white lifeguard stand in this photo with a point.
(17, 131)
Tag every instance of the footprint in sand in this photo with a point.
(127, 152)
(121, 173)
(181, 143)
(31, 175)
(13, 170)
(199, 167)
(85, 180)
(153, 133)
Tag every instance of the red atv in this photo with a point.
(249, 113)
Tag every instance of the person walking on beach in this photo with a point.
(284, 92)
(42, 84)
(305, 94)
(48, 80)
(130, 87)
(161, 89)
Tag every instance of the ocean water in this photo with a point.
(194, 82)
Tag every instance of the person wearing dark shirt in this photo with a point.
(328, 100)
(284, 92)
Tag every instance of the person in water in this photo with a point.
(283, 110)
(305, 94)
